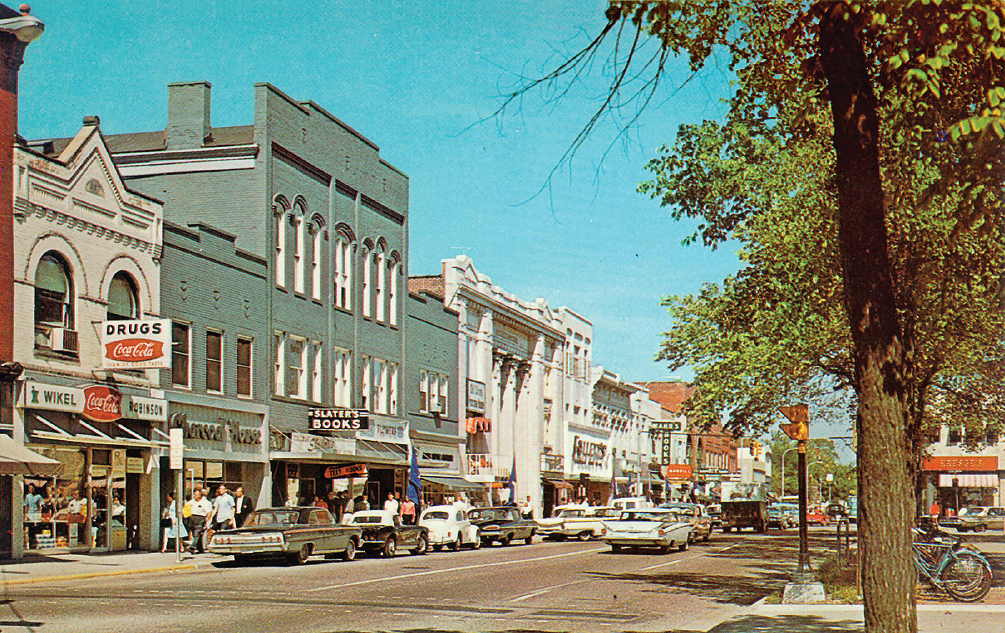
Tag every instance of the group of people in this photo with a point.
(43, 510)
(199, 514)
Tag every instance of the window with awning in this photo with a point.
(969, 480)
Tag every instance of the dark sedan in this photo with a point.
(292, 533)
(384, 533)
(503, 524)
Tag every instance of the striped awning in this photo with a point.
(969, 480)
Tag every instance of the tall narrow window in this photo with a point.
(316, 373)
(122, 298)
(343, 273)
(316, 264)
(366, 284)
(380, 397)
(423, 391)
(393, 298)
(281, 250)
(180, 354)
(392, 407)
(342, 383)
(442, 394)
(244, 367)
(299, 261)
(280, 374)
(53, 292)
(381, 264)
(214, 361)
(366, 403)
(296, 361)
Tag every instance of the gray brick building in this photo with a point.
(312, 197)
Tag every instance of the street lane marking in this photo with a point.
(451, 569)
(673, 562)
(547, 589)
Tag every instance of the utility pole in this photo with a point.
(804, 588)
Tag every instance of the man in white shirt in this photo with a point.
(201, 509)
(391, 505)
(223, 509)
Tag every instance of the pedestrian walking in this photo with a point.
(201, 510)
(223, 510)
(408, 511)
(242, 506)
(169, 523)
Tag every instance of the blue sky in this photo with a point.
(416, 78)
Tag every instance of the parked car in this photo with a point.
(648, 527)
(816, 516)
(503, 524)
(292, 533)
(714, 514)
(449, 526)
(627, 503)
(979, 519)
(791, 512)
(575, 521)
(384, 533)
(777, 518)
(741, 513)
(697, 515)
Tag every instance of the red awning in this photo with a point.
(479, 424)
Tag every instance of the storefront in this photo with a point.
(103, 437)
(591, 462)
(956, 482)
(226, 443)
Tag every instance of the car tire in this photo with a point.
(979, 528)
(616, 549)
(456, 545)
(421, 546)
(506, 540)
(665, 549)
(708, 536)
(241, 559)
(437, 548)
(477, 542)
(301, 556)
(683, 546)
(530, 539)
(389, 548)
(350, 551)
(584, 536)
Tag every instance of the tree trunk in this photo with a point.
(882, 367)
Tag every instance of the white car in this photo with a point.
(628, 503)
(648, 527)
(449, 526)
(576, 521)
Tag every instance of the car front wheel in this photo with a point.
(390, 547)
(421, 546)
(350, 551)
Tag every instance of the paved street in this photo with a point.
(547, 586)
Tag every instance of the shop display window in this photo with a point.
(63, 513)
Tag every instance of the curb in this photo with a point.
(100, 574)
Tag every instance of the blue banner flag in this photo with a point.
(511, 484)
(414, 483)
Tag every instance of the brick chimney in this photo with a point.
(188, 114)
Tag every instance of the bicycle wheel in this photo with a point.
(967, 578)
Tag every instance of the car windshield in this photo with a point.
(489, 515)
(272, 517)
(647, 515)
(366, 519)
(436, 514)
(565, 514)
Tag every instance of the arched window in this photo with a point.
(281, 250)
(53, 293)
(366, 283)
(380, 261)
(123, 301)
(343, 272)
(392, 301)
(299, 260)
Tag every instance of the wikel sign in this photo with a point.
(96, 402)
(136, 344)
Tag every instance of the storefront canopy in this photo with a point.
(15, 459)
(969, 480)
(558, 483)
(455, 483)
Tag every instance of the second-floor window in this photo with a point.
(366, 401)
(123, 303)
(281, 250)
(244, 367)
(316, 264)
(366, 284)
(296, 359)
(381, 265)
(342, 382)
(279, 350)
(181, 346)
(214, 361)
(299, 261)
(53, 292)
(433, 390)
(343, 273)
(316, 372)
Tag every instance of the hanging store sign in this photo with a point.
(317, 444)
(140, 344)
(37, 395)
(343, 472)
(102, 404)
(679, 472)
(587, 452)
(338, 419)
(476, 397)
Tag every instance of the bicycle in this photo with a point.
(956, 567)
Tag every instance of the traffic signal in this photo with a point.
(799, 416)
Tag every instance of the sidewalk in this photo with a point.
(35, 568)
(932, 618)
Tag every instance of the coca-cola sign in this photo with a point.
(134, 350)
(102, 404)
(136, 344)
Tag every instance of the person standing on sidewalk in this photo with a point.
(201, 509)
(223, 510)
(242, 507)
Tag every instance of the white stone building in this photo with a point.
(87, 250)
